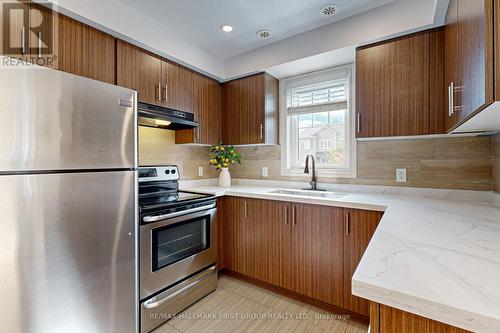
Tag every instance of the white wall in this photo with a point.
(394, 19)
(124, 22)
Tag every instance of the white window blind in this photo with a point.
(323, 96)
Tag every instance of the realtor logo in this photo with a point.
(28, 32)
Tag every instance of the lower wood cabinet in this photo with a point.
(359, 228)
(385, 319)
(311, 250)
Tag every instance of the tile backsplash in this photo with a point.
(496, 163)
(456, 163)
(157, 147)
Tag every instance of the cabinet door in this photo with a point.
(392, 87)
(317, 233)
(475, 53)
(139, 70)
(11, 31)
(359, 226)
(177, 86)
(207, 111)
(234, 224)
(86, 51)
(269, 241)
(244, 107)
(451, 63)
(43, 29)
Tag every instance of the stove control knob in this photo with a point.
(173, 171)
(167, 172)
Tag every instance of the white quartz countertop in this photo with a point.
(435, 253)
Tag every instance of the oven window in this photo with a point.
(179, 241)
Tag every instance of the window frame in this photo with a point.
(285, 139)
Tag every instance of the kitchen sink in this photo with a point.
(310, 193)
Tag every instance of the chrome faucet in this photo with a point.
(313, 181)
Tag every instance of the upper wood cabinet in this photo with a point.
(207, 111)
(250, 110)
(469, 68)
(85, 51)
(139, 70)
(394, 92)
(157, 81)
(360, 226)
(178, 85)
(56, 41)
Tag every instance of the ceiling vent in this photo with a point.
(264, 34)
(329, 10)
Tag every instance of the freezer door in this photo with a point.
(50, 120)
(67, 253)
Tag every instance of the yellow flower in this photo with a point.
(222, 148)
(227, 159)
(216, 147)
(218, 165)
(225, 164)
(232, 161)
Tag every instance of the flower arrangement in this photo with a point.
(222, 156)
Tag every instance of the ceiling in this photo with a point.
(199, 21)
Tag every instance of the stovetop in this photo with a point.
(159, 189)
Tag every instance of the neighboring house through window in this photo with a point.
(317, 118)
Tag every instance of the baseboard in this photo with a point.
(299, 297)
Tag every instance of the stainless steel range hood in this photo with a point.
(161, 117)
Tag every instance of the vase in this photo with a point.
(224, 178)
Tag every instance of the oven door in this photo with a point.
(174, 248)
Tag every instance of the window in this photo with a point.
(316, 118)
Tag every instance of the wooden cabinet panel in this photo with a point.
(232, 210)
(250, 110)
(207, 111)
(359, 228)
(392, 87)
(177, 87)
(85, 51)
(12, 34)
(469, 58)
(392, 320)
(475, 55)
(452, 62)
(43, 32)
(496, 43)
(139, 70)
(317, 233)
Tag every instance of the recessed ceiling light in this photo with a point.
(329, 10)
(226, 28)
(264, 34)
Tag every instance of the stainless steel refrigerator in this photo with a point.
(67, 203)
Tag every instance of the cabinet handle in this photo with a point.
(358, 123)
(23, 39)
(245, 209)
(346, 224)
(450, 107)
(166, 93)
(40, 44)
(262, 131)
(452, 96)
(294, 222)
(159, 91)
(286, 214)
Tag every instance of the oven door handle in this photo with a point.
(156, 218)
(154, 302)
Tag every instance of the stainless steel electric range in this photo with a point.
(177, 245)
